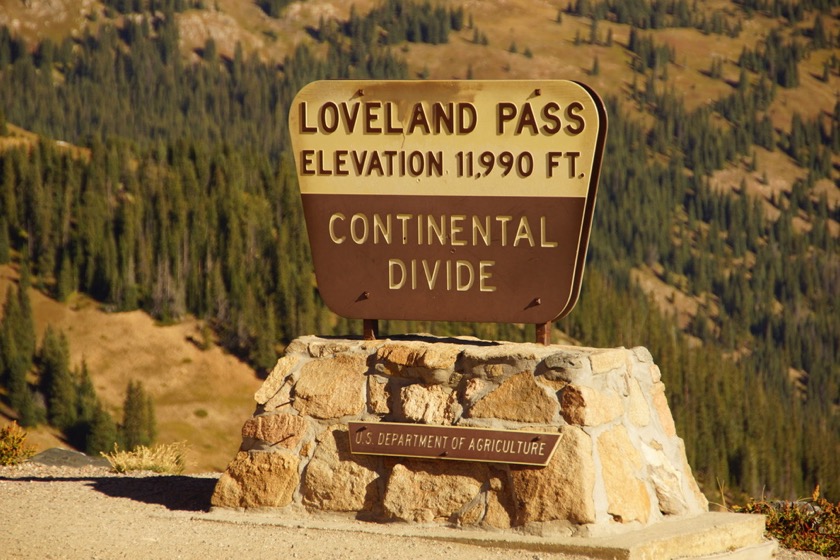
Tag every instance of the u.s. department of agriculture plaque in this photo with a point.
(448, 200)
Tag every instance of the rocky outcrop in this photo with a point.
(619, 463)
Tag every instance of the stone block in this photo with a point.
(276, 379)
(604, 361)
(378, 395)
(666, 480)
(663, 412)
(258, 479)
(567, 365)
(336, 480)
(279, 430)
(420, 354)
(627, 495)
(497, 361)
(563, 489)
(518, 398)
(585, 406)
(331, 387)
(638, 409)
(426, 491)
(428, 404)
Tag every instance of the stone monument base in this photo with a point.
(619, 466)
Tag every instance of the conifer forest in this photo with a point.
(162, 181)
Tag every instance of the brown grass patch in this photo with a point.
(178, 375)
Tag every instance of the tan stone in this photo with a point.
(476, 388)
(429, 405)
(441, 356)
(607, 360)
(627, 495)
(281, 401)
(697, 501)
(335, 479)
(555, 385)
(377, 396)
(585, 406)
(280, 430)
(655, 373)
(639, 411)
(331, 387)
(276, 378)
(643, 355)
(518, 398)
(663, 411)
(666, 480)
(500, 360)
(257, 479)
(425, 491)
(563, 489)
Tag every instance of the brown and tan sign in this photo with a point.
(452, 442)
(448, 200)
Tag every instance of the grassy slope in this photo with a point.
(181, 378)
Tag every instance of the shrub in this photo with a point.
(812, 525)
(13, 449)
(162, 458)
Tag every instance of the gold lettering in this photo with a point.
(484, 275)
(393, 266)
(359, 219)
(381, 228)
(543, 237)
(503, 220)
(463, 284)
(523, 232)
(478, 230)
(455, 228)
(336, 239)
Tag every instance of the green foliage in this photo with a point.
(274, 8)
(812, 525)
(776, 58)
(56, 380)
(5, 243)
(138, 427)
(13, 447)
(395, 21)
(16, 336)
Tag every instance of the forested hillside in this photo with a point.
(181, 197)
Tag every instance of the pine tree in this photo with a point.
(57, 381)
(103, 432)
(26, 334)
(138, 427)
(5, 243)
(15, 363)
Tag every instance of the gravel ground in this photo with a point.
(89, 512)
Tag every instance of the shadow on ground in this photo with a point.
(180, 493)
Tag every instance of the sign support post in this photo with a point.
(370, 329)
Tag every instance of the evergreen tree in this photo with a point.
(57, 383)
(102, 433)
(138, 426)
(26, 333)
(5, 244)
(16, 363)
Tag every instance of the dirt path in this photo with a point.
(88, 512)
(60, 512)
